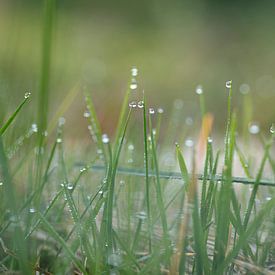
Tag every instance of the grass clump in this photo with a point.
(103, 217)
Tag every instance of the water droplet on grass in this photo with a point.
(61, 121)
(32, 210)
(133, 84)
(70, 186)
(141, 215)
(199, 90)
(134, 71)
(1, 183)
(189, 142)
(151, 111)
(272, 128)
(59, 140)
(105, 139)
(83, 169)
(140, 104)
(254, 128)
(228, 84)
(244, 89)
(133, 104)
(86, 114)
(160, 110)
(131, 147)
(27, 95)
(209, 140)
(189, 121)
(34, 128)
(268, 198)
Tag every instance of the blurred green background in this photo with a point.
(176, 45)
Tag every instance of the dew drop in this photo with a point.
(189, 142)
(61, 121)
(133, 84)
(272, 128)
(27, 95)
(82, 170)
(1, 183)
(70, 186)
(34, 128)
(268, 198)
(131, 147)
(254, 128)
(160, 110)
(32, 210)
(100, 192)
(59, 140)
(151, 111)
(189, 121)
(199, 90)
(105, 139)
(134, 71)
(209, 140)
(122, 182)
(244, 89)
(140, 104)
(133, 104)
(228, 84)
(141, 215)
(86, 114)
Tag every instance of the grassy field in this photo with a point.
(164, 194)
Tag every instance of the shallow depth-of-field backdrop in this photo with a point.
(176, 46)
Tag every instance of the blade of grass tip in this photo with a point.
(14, 115)
(11, 203)
(178, 259)
(256, 186)
(95, 126)
(243, 239)
(223, 207)
(146, 166)
(60, 241)
(159, 194)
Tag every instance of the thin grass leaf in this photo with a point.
(61, 241)
(252, 228)
(14, 115)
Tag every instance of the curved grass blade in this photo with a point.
(14, 115)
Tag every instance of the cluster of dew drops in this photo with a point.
(133, 88)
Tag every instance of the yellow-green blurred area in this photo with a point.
(176, 45)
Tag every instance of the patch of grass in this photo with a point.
(104, 218)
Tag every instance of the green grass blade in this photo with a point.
(14, 115)
(61, 242)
